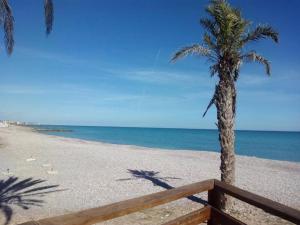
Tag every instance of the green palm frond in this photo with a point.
(262, 31)
(49, 15)
(226, 32)
(210, 42)
(254, 57)
(191, 50)
(210, 26)
(8, 25)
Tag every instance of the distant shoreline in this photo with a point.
(282, 146)
(53, 130)
(182, 128)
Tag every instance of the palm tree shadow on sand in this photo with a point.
(22, 193)
(158, 181)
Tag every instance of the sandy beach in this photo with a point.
(90, 174)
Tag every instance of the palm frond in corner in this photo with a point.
(49, 15)
(8, 25)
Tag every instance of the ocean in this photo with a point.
(278, 145)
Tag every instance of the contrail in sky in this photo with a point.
(152, 70)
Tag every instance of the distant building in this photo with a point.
(3, 124)
(6, 123)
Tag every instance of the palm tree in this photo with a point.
(7, 20)
(226, 35)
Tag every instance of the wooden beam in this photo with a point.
(100, 214)
(193, 218)
(219, 217)
(268, 205)
(214, 201)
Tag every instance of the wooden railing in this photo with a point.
(209, 212)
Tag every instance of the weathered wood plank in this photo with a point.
(100, 214)
(193, 218)
(213, 200)
(218, 217)
(268, 205)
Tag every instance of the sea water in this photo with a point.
(278, 145)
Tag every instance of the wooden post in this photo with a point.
(214, 201)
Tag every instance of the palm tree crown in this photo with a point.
(7, 21)
(226, 34)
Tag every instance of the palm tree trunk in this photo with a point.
(225, 102)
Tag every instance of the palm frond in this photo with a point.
(214, 69)
(262, 31)
(49, 15)
(254, 57)
(191, 50)
(210, 26)
(8, 26)
(211, 102)
(210, 42)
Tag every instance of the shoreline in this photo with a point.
(92, 174)
(159, 149)
(183, 128)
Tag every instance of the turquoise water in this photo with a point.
(263, 144)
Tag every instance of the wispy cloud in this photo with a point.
(135, 74)
(270, 96)
(278, 77)
(252, 80)
(163, 77)
(20, 89)
(58, 57)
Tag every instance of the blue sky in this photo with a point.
(107, 63)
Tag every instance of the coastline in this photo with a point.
(280, 154)
(92, 173)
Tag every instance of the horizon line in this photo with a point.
(184, 128)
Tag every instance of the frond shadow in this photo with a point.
(22, 193)
(156, 180)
